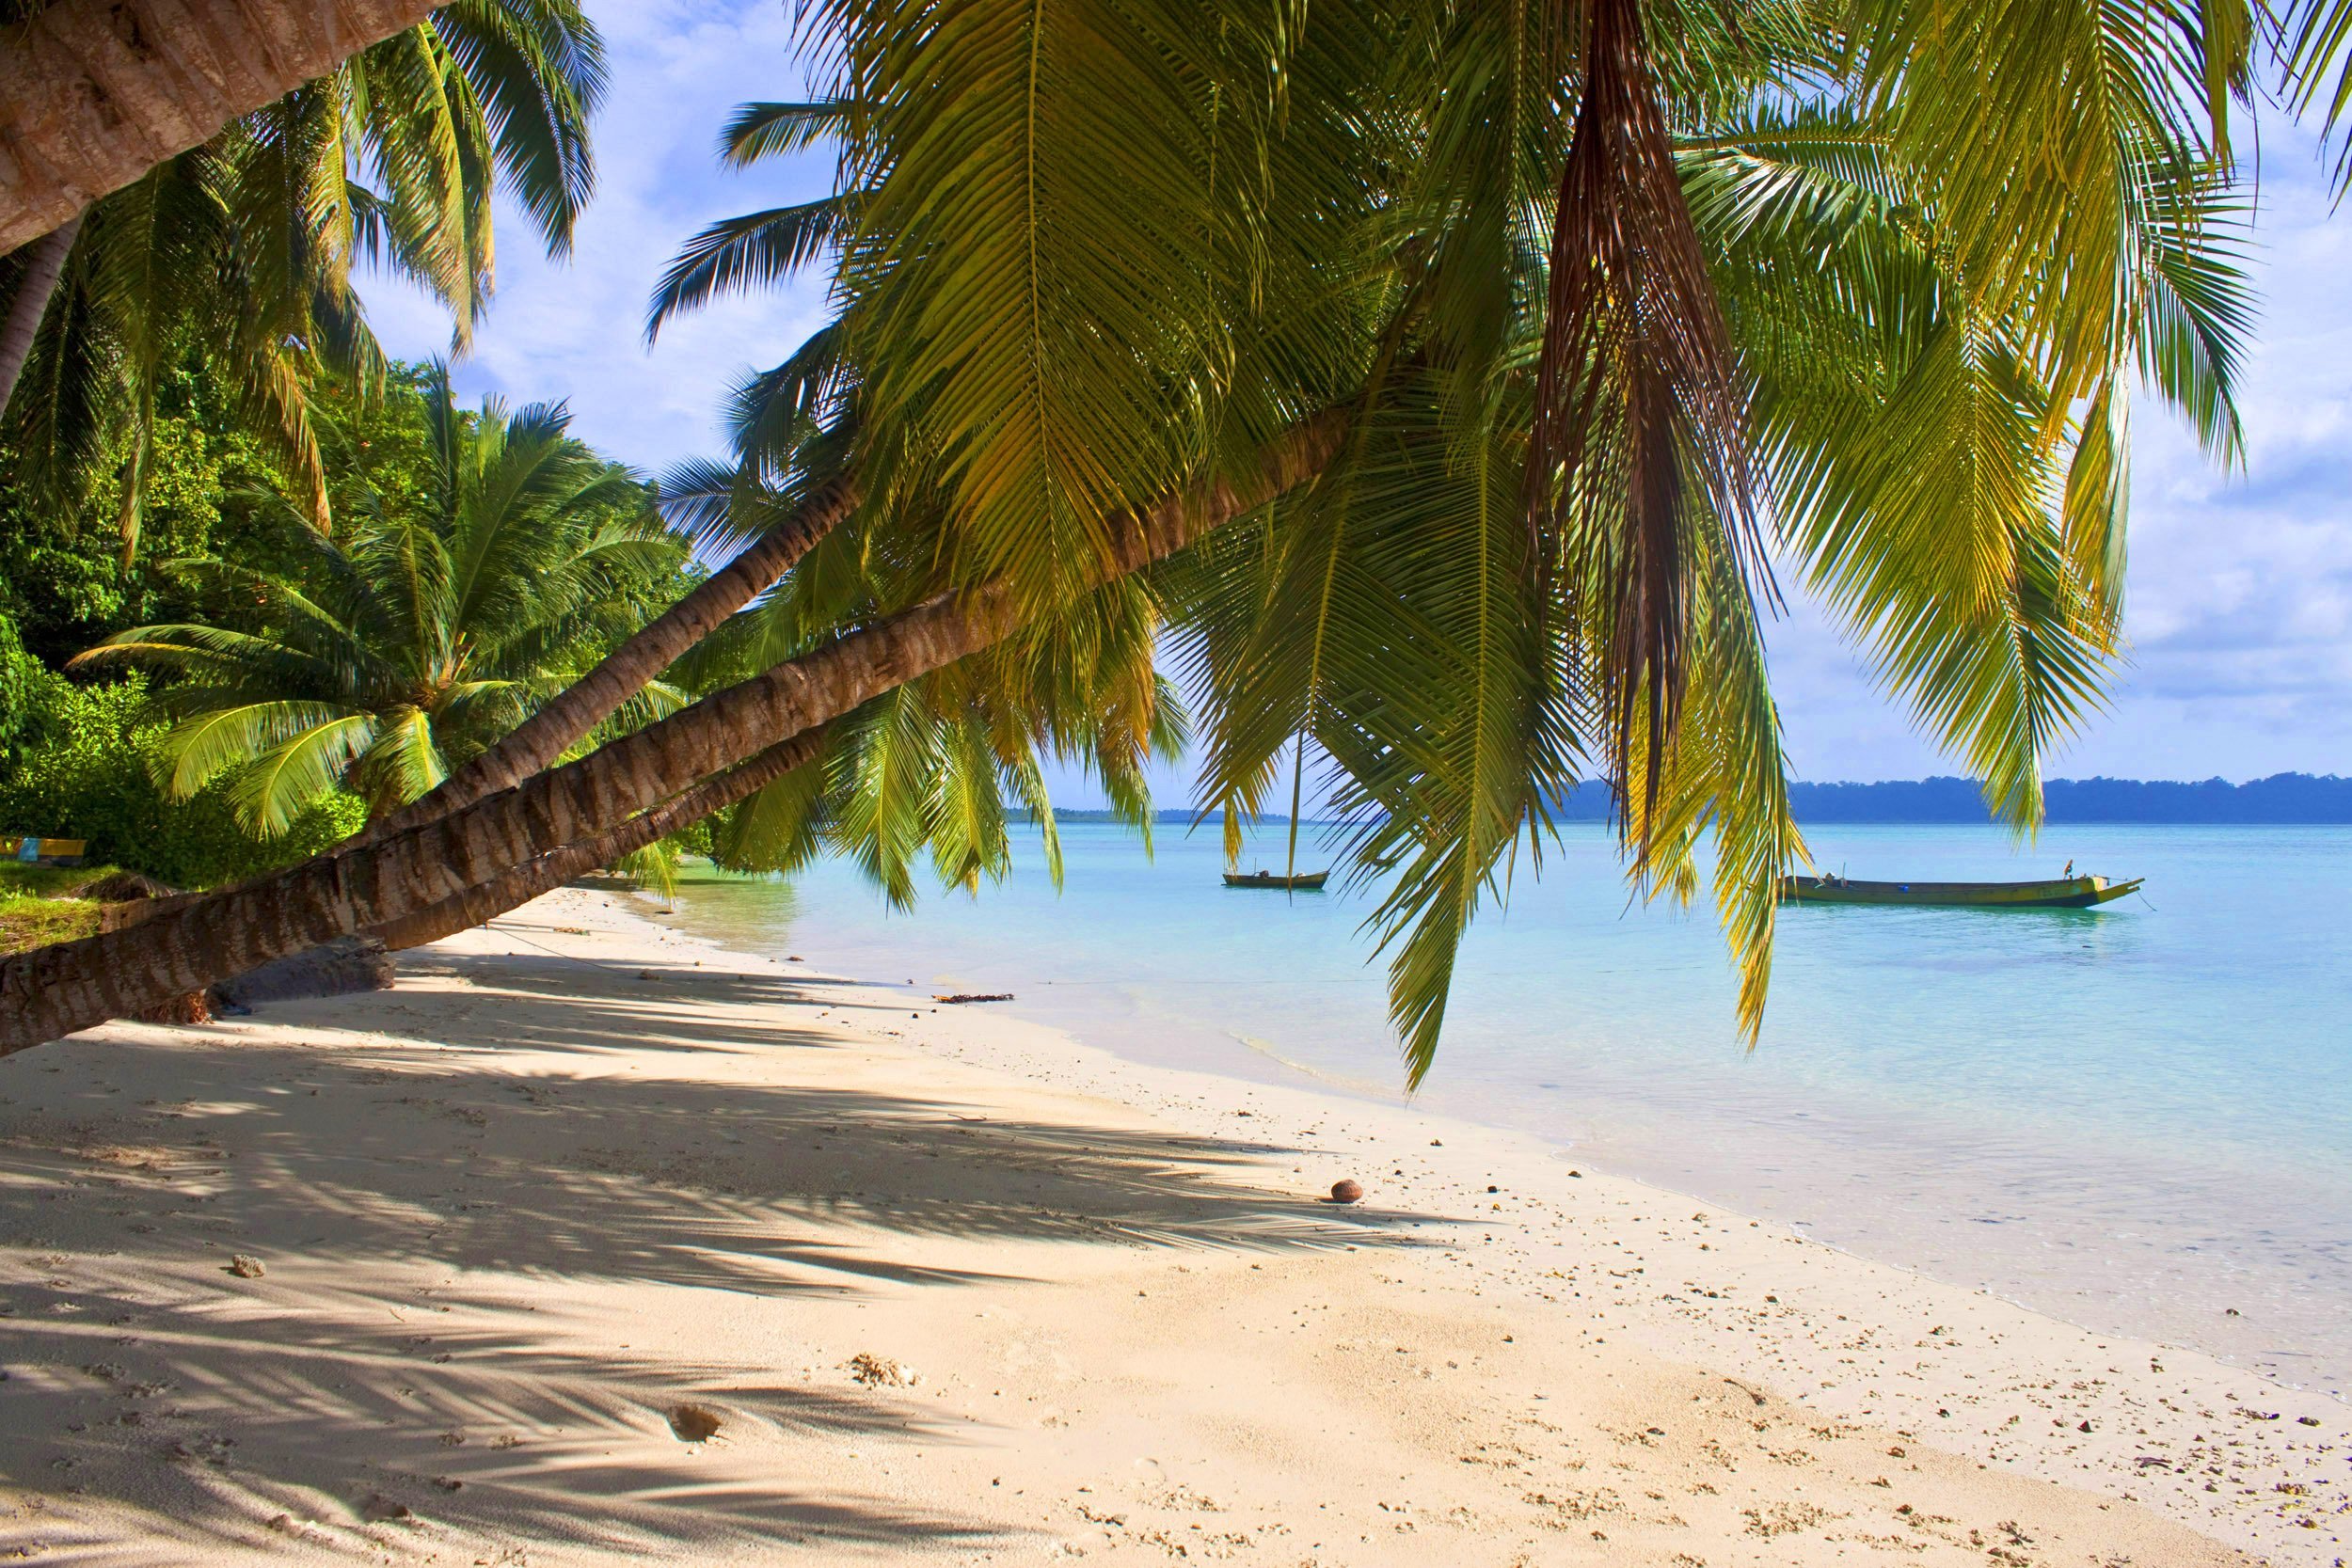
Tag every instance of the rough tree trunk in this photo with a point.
(94, 93)
(43, 262)
(55, 990)
(522, 885)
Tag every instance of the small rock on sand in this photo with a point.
(247, 1267)
(1345, 1191)
(880, 1372)
(338, 968)
(694, 1423)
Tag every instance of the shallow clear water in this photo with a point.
(2138, 1117)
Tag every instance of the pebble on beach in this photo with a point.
(1345, 1191)
(694, 1423)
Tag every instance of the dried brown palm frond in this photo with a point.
(1638, 394)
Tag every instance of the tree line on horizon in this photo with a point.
(2284, 798)
(2308, 798)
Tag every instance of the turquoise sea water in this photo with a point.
(2138, 1117)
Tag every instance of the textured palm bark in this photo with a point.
(44, 261)
(53, 990)
(544, 737)
(94, 93)
(523, 883)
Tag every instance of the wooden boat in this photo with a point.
(2065, 893)
(1305, 882)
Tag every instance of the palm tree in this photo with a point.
(407, 644)
(1447, 378)
(121, 87)
(1547, 528)
(241, 249)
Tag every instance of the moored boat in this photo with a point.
(2062, 893)
(1305, 882)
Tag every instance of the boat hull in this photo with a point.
(2068, 893)
(1309, 883)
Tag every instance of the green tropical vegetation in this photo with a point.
(88, 763)
(483, 558)
(198, 377)
(423, 628)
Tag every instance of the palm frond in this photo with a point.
(780, 827)
(890, 755)
(761, 131)
(536, 71)
(1636, 393)
(275, 787)
(750, 251)
(2318, 43)
(1052, 365)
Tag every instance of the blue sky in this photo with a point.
(2240, 592)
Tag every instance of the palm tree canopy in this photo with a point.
(1636, 308)
(416, 634)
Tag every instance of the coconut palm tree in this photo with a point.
(407, 644)
(1566, 454)
(241, 248)
(1457, 382)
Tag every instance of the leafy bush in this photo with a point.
(20, 674)
(80, 766)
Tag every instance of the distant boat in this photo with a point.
(2065, 893)
(1309, 883)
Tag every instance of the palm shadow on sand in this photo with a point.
(144, 1376)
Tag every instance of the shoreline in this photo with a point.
(1138, 1331)
(1539, 1163)
(1996, 1203)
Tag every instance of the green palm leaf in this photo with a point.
(761, 131)
(755, 250)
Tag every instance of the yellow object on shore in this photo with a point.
(26, 849)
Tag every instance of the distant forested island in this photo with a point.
(2281, 798)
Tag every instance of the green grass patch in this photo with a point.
(19, 880)
(31, 922)
(38, 905)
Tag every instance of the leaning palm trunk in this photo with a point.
(544, 737)
(55, 990)
(94, 93)
(520, 886)
(44, 264)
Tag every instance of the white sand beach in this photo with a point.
(593, 1243)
